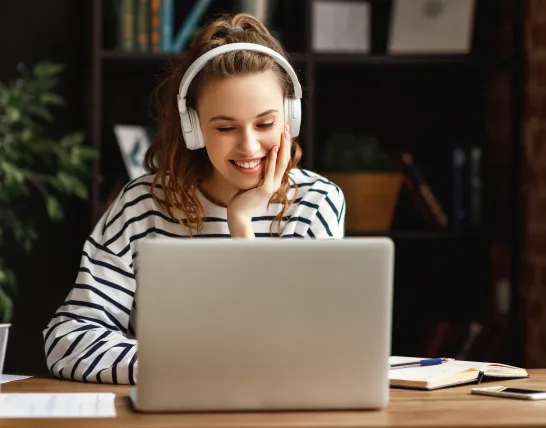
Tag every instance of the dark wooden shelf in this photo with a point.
(338, 59)
(419, 234)
(409, 60)
(116, 55)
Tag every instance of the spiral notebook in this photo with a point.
(450, 373)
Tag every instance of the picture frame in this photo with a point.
(133, 143)
(431, 27)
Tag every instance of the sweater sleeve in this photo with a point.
(329, 221)
(91, 335)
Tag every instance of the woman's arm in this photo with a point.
(91, 336)
(321, 211)
(330, 219)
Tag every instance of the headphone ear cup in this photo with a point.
(292, 115)
(199, 142)
(191, 129)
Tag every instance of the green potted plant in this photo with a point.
(364, 171)
(32, 164)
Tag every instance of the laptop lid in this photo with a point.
(263, 324)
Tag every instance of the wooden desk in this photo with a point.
(452, 408)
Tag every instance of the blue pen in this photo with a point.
(427, 362)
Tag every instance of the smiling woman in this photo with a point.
(236, 93)
(223, 164)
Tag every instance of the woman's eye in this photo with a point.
(231, 128)
(266, 125)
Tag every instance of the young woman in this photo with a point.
(223, 164)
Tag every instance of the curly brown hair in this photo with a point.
(179, 169)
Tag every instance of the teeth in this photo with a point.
(248, 164)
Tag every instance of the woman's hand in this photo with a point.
(244, 203)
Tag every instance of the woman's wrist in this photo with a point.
(240, 227)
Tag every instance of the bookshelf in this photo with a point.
(411, 102)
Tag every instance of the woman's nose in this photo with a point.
(248, 143)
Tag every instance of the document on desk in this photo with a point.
(57, 405)
(5, 378)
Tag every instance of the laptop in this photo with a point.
(263, 325)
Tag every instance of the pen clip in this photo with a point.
(480, 377)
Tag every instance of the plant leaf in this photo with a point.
(54, 208)
(51, 98)
(6, 306)
(33, 163)
(47, 69)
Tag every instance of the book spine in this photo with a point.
(127, 25)
(460, 187)
(426, 200)
(167, 22)
(142, 30)
(475, 186)
(155, 25)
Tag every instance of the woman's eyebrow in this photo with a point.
(267, 112)
(232, 119)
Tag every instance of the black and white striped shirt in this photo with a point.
(91, 337)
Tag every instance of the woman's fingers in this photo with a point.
(272, 163)
(269, 176)
(284, 156)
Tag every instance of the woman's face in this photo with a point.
(241, 119)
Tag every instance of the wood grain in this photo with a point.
(447, 408)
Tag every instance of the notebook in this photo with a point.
(449, 373)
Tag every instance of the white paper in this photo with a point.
(423, 373)
(401, 360)
(11, 378)
(57, 405)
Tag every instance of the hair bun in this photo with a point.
(247, 21)
(234, 30)
(241, 27)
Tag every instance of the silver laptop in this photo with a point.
(258, 325)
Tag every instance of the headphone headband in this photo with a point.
(200, 62)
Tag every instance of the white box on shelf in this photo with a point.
(341, 26)
(431, 27)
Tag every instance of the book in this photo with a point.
(421, 192)
(450, 373)
(142, 22)
(126, 33)
(189, 26)
(155, 26)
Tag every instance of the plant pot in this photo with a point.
(4, 330)
(370, 198)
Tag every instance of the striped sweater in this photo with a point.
(91, 337)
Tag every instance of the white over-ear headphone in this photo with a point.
(191, 129)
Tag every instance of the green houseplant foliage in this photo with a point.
(32, 163)
(348, 152)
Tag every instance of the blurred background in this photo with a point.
(428, 114)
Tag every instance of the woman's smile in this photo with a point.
(252, 166)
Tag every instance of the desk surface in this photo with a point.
(454, 407)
